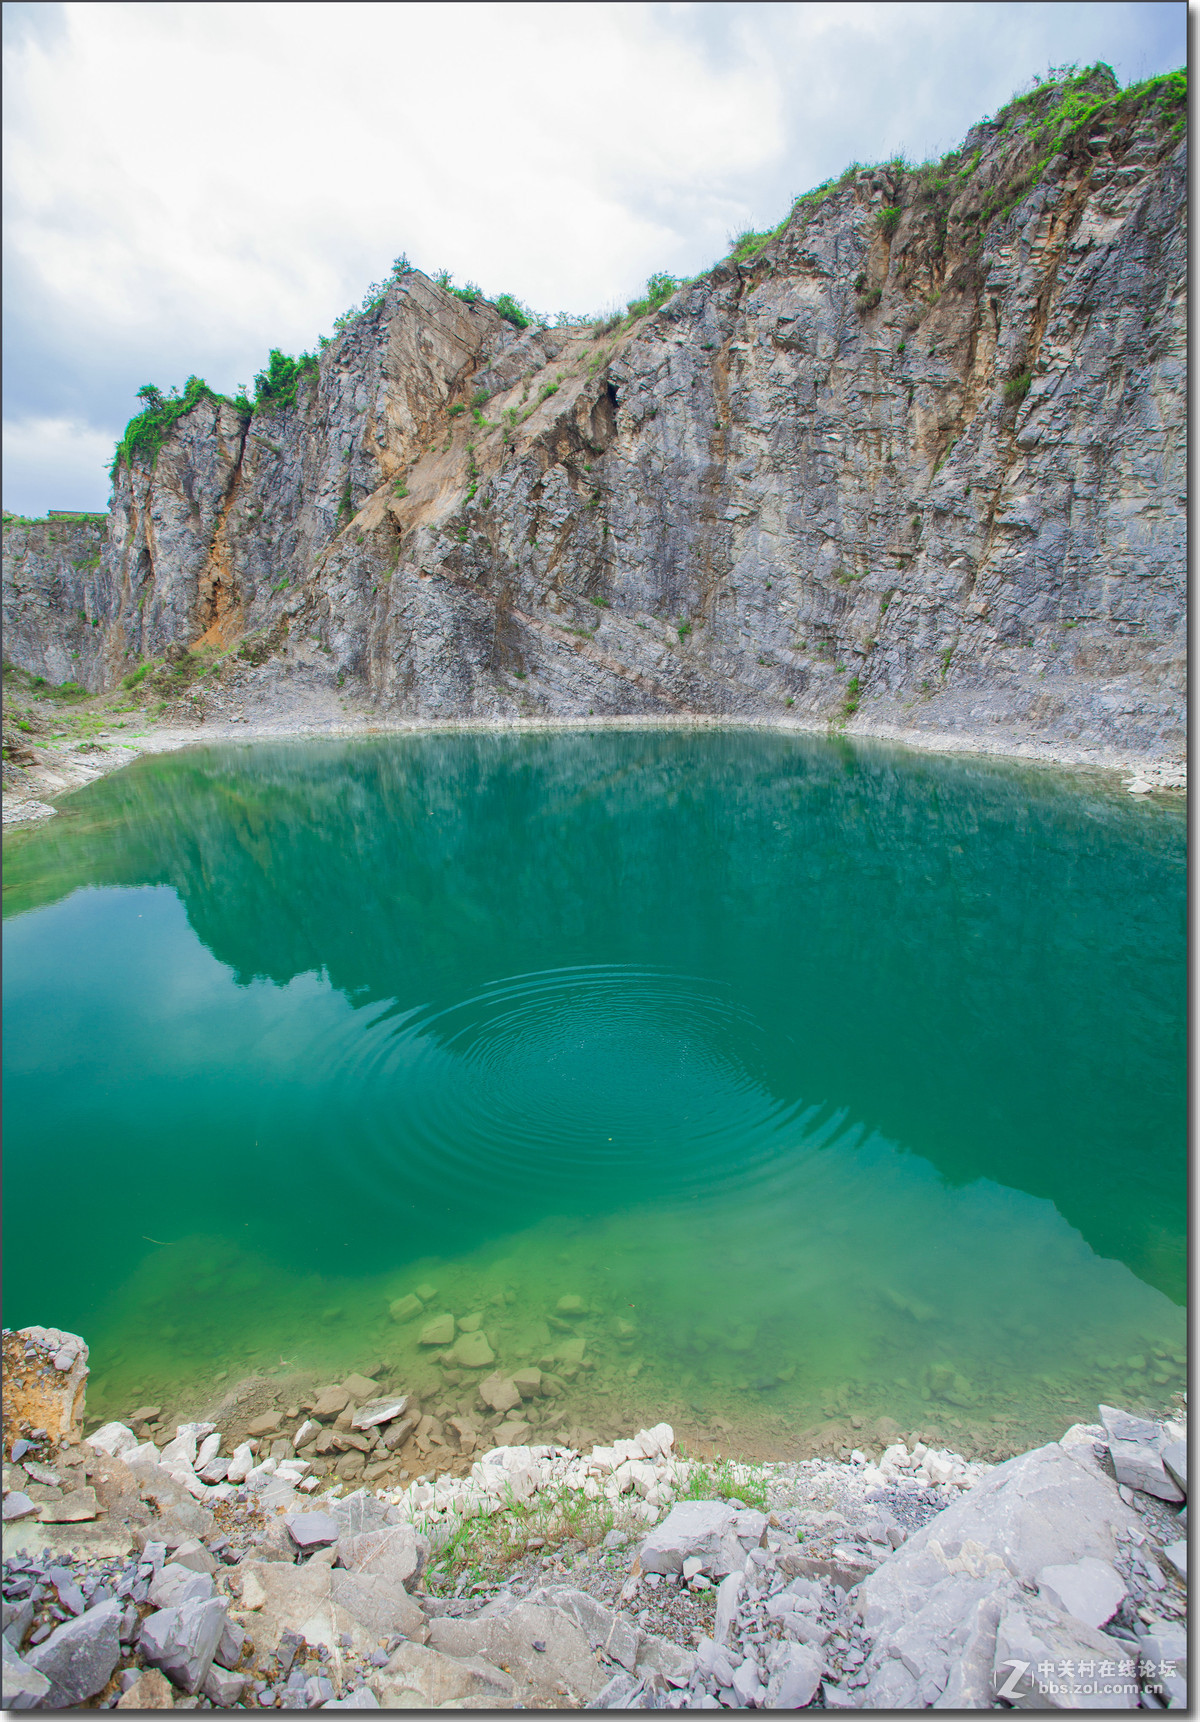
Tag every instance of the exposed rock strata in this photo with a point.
(811, 487)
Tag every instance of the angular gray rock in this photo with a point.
(229, 1651)
(78, 1658)
(1157, 1648)
(729, 1595)
(621, 1693)
(1139, 1466)
(380, 1411)
(612, 1633)
(395, 1553)
(931, 1609)
(1037, 1663)
(1089, 1589)
(362, 1699)
(540, 1646)
(417, 1676)
(1174, 1457)
(748, 1688)
(21, 1687)
(174, 1585)
(359, 1512)
(384, 1609)
(1136, 1446)
(183, 1641)
(659, 1656)
(18, 1618)
(794, 1680)
(223, 1687)
(312, 1530)
(701, 1530)
(193, 1554)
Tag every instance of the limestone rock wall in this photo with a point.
(920, 463)
(56, 596)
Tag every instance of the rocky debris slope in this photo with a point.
(915, 463)
(920, 1580)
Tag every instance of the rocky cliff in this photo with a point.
(914, 461)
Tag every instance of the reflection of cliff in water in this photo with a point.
(885, 918)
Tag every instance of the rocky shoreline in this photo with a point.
(253, 707)
(203, 1570)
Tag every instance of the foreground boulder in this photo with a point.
(718, 1536)
(325, 1606)
(541, 1647)
(417, 1677)
(21, 1687)
(78, 1658)
(934, 1608)
(183, 1641)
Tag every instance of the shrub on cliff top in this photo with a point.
(275, 388)
(513, 311)
(147, 431)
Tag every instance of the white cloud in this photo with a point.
(189, 184)
(56, 463)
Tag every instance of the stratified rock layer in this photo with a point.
(918, 464)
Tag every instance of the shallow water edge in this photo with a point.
(69, 769)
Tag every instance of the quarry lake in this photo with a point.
(767, 1082)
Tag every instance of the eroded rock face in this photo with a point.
(914, 470)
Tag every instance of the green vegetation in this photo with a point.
(947, 654)
(147, 431)
(683, 630)
(400, 488)
(513, 311)
(851, 698)
(1058, 114)
(1016, 388)
(748, 245)
(659, 289)
(482, 1548)
(275, 388)
(726, 1481)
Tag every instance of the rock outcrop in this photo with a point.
(914, 462)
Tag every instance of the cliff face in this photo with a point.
(56, 596)
(919, 462)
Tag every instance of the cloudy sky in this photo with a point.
(189, 185)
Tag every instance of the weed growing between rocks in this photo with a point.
(724, 1480)
(483, 1547)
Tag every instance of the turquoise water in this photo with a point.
(833, 1079)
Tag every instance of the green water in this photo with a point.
(834, 1079)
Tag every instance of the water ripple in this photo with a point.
(615, 1075)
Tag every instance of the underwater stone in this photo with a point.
(472, 1351)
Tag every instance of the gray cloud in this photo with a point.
(189, 185)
